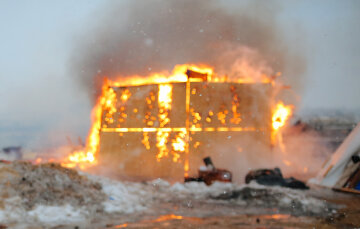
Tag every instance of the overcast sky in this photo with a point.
(40, 103)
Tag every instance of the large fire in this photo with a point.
(108, 102)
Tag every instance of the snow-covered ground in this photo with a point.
(52, 196)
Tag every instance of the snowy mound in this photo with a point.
(48, 184)
(46, 192)
(49, 194)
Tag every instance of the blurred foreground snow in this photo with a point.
(50, 195)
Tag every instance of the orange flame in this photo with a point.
(86, 158)
(164, 100)
(177, 75)
(168, 217)
(106, 105)
(281, 114)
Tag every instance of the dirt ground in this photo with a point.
(159, 204)
(347, 216)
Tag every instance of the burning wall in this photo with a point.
(164, 130)
(161, 130)
(163, 125)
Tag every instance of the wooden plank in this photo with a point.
(347, 190)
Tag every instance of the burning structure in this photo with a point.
(163, 126)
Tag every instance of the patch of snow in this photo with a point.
(200, 190)
(57, 214)
(124, 197)
(160, 183)
(301, 197)
(13, 210)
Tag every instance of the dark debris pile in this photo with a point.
(283, 199)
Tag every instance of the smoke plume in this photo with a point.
(148, 36)
(143, 37)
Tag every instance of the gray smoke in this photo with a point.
(146, 36)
